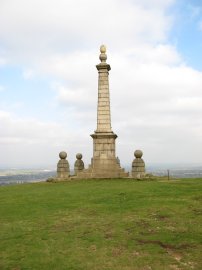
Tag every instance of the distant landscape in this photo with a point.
(19, 176)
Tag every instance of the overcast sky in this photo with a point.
(48, 79)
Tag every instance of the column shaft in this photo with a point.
(103, 108)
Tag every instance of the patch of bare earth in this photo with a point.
(172, 250)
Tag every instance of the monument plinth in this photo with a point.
(62, 167)
(104, 163)
(138, 165)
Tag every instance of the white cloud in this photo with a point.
(24, 142)
(37, 28)
(157, 107)
(75, 97)
(27, 131)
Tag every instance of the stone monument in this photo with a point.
(104, 163)
(79, 164)
(138, 165)
(62, 167)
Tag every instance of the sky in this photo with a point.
(48, 79)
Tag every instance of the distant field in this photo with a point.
(102, 225)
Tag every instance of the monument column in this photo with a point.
(104, 137)
(104, 163)
(103, 108)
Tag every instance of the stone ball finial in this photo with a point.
(63, 155)
(79, 156)
(103, 56)
(103, 49)
(138, 153)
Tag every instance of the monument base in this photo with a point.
(103, 168)
(104, 164)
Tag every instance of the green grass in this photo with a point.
(102, 225)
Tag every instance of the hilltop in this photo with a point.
(102, 225)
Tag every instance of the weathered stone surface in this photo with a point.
(138, 165)
(62, 166)
(104, 163)
(79, 164)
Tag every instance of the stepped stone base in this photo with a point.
(103, 168)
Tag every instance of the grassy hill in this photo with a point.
(102, 225)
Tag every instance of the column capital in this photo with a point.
(103, 66)
(103, 58)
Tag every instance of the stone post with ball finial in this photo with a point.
(63, 166)
(138, 165)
